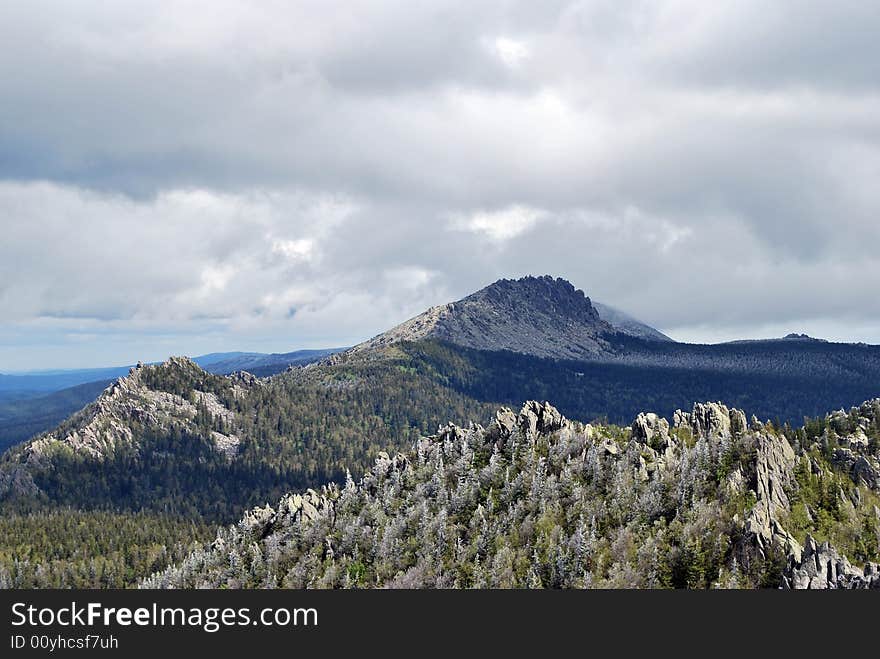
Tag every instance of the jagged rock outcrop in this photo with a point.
(658, 448)
(853, 450)
(503, 424)
(294, 507)
(539, 316)
(106, 423)
(242, 381)
(773, 470)
(310, 505)
(711, 420)
(774, 474)
(651, 430)
(535, 417)
(821, 567)
(862, 468)
(774, 464)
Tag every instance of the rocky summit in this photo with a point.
(539, 316)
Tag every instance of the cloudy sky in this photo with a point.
(186, 177)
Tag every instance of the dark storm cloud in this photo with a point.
(186, 169)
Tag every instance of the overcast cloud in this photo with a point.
(185, 177)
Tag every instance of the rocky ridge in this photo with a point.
(464, 486)
(129, 403)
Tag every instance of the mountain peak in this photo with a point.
(542, 294)
(542, 316)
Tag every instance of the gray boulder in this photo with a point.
(535, 417)
(503, 425)
(821, 567)
(651, 430)
(712, 420)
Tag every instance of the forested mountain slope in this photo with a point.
(66, 548)
(534, 500)
(793, 386)
(793, 358)
(175, 438)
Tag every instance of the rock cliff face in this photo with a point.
(772, 470)
(534, 315)
(774, 474)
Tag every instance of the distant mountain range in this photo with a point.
(260, 364)
(34, 401)
(535, 337)
(531, 338)
(41, 381)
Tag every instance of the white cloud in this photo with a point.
(182, 254)
(510, 51)
(295, 250)
(500, 225)
(215, 278)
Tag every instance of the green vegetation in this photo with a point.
(67, 548)
(618, 391)
(294, 433)
(475, 508)
(558, 512)
(828, 505)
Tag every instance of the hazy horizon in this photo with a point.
(716, 336)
